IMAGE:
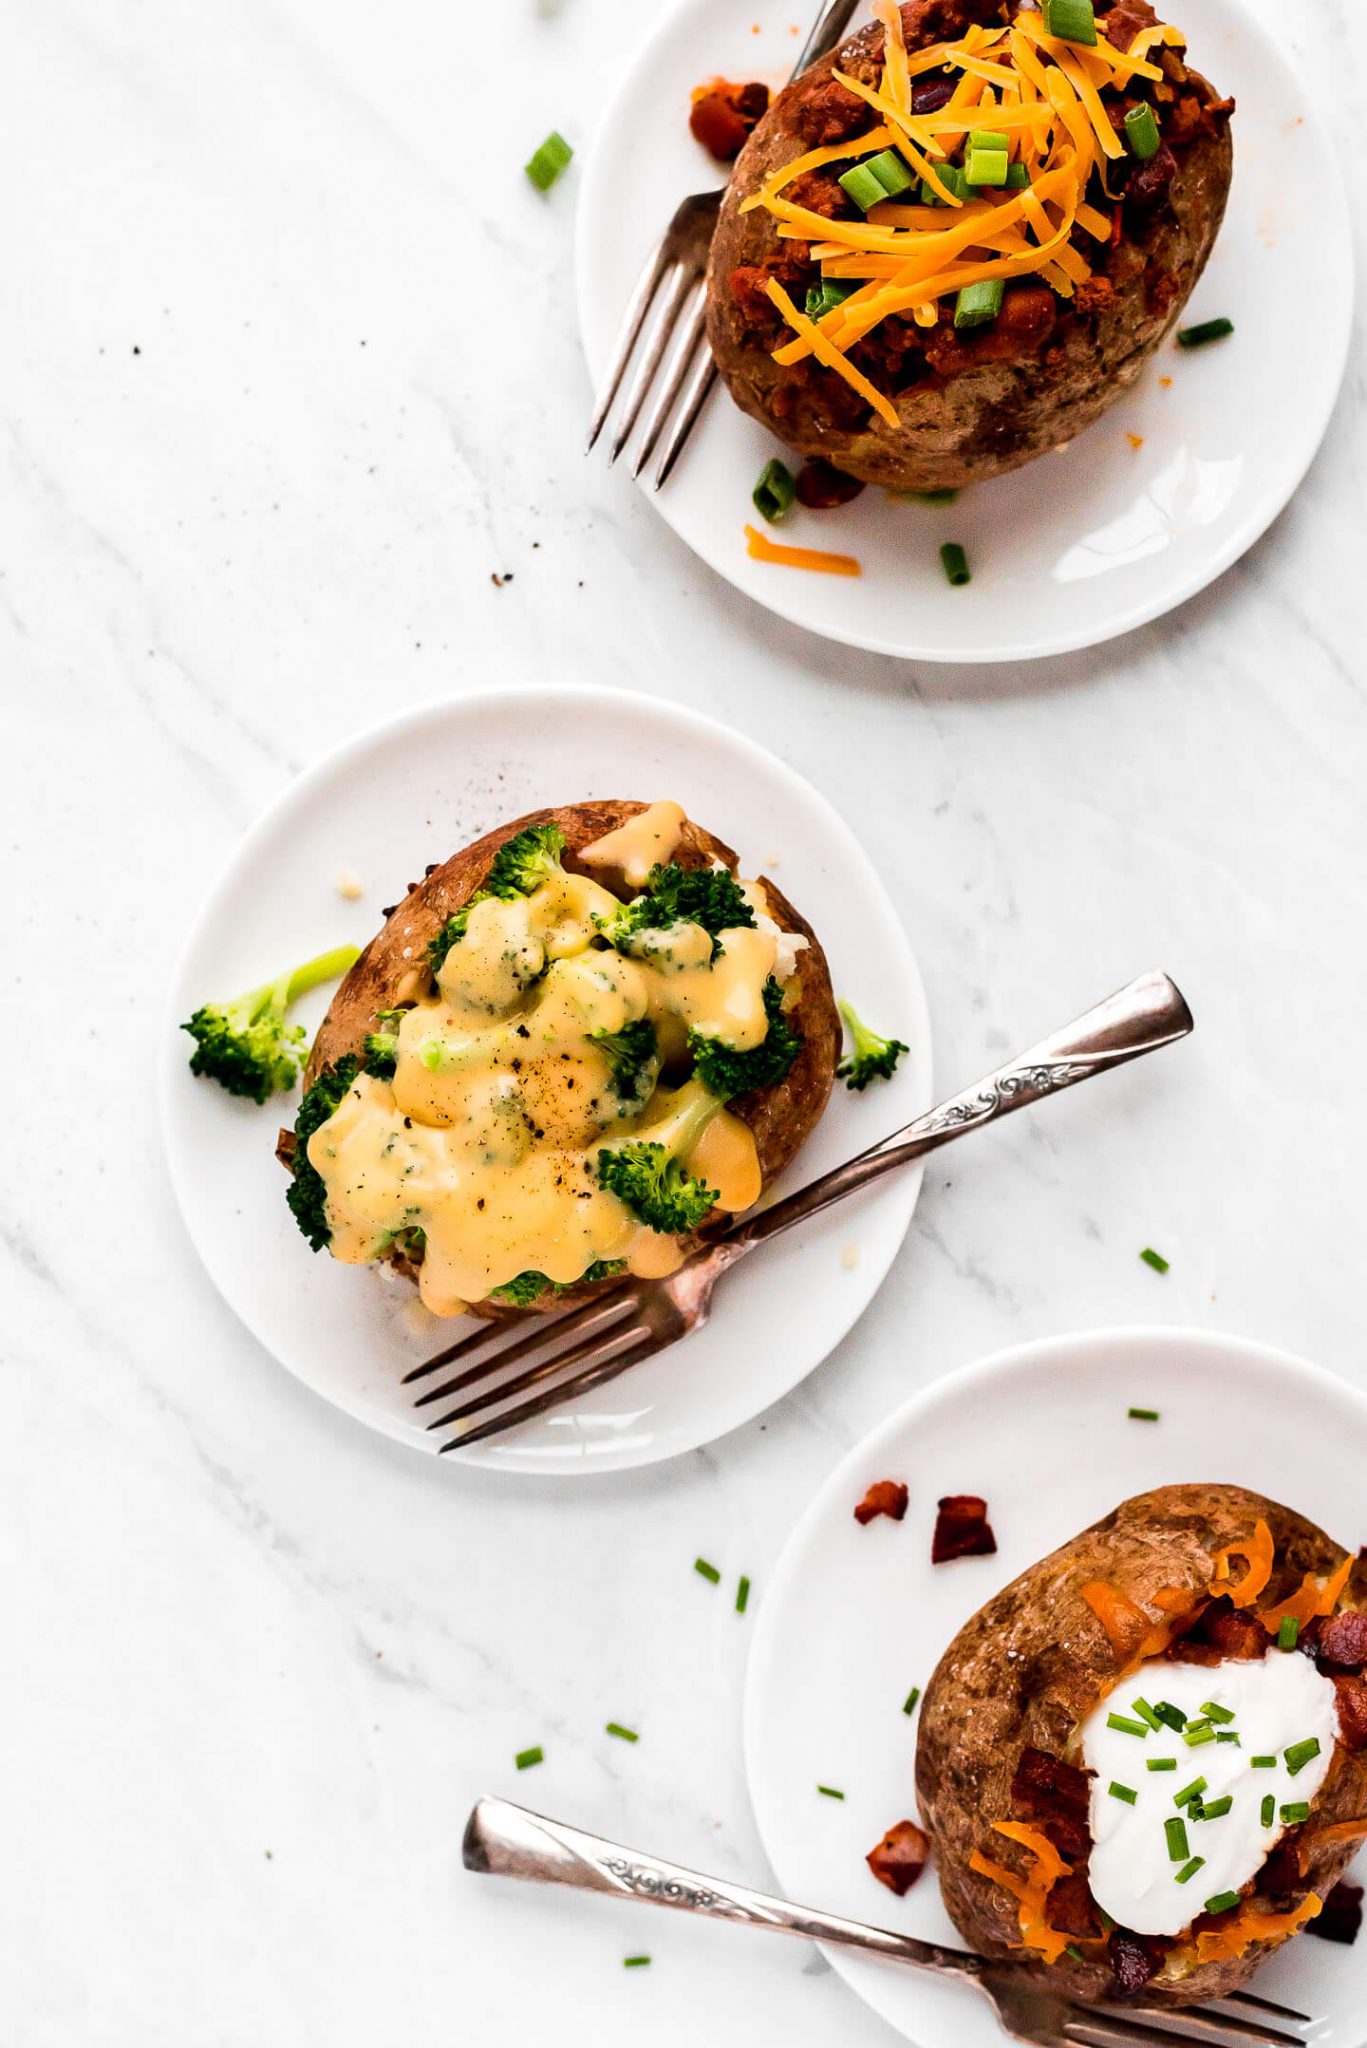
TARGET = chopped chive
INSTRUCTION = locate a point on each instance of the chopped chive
(1072, 21)
(1142, 132)
(1195, 1736)
(1126, 1725)
(909, 1703)
(945, 495)
(1262, 1763)
(1171, 1716)
(1207, 330)
(1216, 1809)
(1298, 1810)
(1197, 1726)
(548, 163)
(1074, 1953)
(977, 304)
(1154, 1259)
(823, 298)
(742, 1594)
(1229, 1735)
(1125, 1792)
(986, 167)
(829, 1792)
(1179, 1848)
(1269, 1813)
(955, 563)
(706, 1571)
(1213, 1712)
(1144, 1415)
(1162, 1763)
(634, 1962)
(775, 493)
(1288, 1635)
(864, 187)
(1146, 1712)
(525, 1758)
(1189, 1792)
(1185, 1875)
(622, 1734)
(1222, 1902)
(1302, 1753)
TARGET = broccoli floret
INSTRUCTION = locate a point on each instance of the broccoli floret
(601, 1269)
(711, 897)
(525, 861)
(307, 1192)
(872, 1058)
(246, 1045)
(452, 932)
(630, 1053)
(655, 1187)
(381, 1054)
(726, 1072)
(528, 1287)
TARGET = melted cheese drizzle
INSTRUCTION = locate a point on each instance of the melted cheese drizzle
(634, 848)
(487, 1137)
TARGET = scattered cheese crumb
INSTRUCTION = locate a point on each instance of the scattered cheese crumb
(348, 885)
(1166, 383)
(1136, 441)
(849, 1258)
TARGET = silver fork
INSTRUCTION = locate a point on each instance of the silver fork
(679, 264)
(504, 1840)
(630, 1322)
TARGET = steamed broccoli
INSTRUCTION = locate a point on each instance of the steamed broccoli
(307, 1192)
(520, 866)
(726, 1072)
(525, 1288)
(873, 1058)
(246, 1045)
(630, 1053)
(381, 1054)
(645, 1173)
(711, 897)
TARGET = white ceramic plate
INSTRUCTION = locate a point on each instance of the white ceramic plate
(410, 793)
(1075, 547)
(855, 1617)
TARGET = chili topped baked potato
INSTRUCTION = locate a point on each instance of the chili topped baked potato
(1143, 1765)
(574, 1048)
(993, 300)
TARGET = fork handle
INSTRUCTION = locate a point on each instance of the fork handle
(1147, 1015)
(826, 32)
(504, 1840)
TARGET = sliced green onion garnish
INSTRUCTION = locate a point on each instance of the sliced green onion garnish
(953, 180)
(862, 187)
(891, 172)
(1207, 330)
(1216, 1809)
(1298, 1810)
(1288, 1635)
(525, 1758)
(1269, 1810)
(1074, 1953)
(986, 167)
(548, 163)
(1072, 21)
(1172, 1716)
(1213, 1712)
(955, 563)
(1262, 1763)
(706, 1571)
(1189, 1792)
(944, 496)
(1229, 1735)
(622, 1734)
(1195, 1727)
(742, 1594)
(979, 303)
(988, 138)
(1154, 1259)
(1186, 1875)
(1124, 1792)
(829, 1792)
(1162, 1763)
(1222, 1902)
(773, 496)
(1302, 1753)
(909, 1703)
(823, 298)
(634, 1962)
(1126, 1725)
(1146, 1712)
(1141, 131)
(1017, 178)
(1179, 1848)
(1195, 1736)
(1143, 1415)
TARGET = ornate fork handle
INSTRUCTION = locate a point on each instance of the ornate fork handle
(508, 1841)
(1150, 1013)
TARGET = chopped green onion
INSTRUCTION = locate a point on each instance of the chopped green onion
(823, 298)
(955, 563)
(525, 1758)
(862, 187)
(829, 1792)
(1171, 1716)
(1222, 1902)
(1288, 1635)
(1217, 1808)
(1074, 1953)
(1195, 1727)
(944, 496)
(1145, 1712)
(1144, 1415)
(548, 163)
(909, 1703)
(706, 1571)
(1072, 21)
(1125, 1792)
(953, 180)
(1213, 1712)
(634, 1962)
(1299, 1810)
(988, 138)
(1017, 178)
(1179, 1848)
(979, 303)
(1154, 1259)
(1185, 1875)
(986, 167)
(1269, 1810)
(1195, 1736)
(1126, 1725)
(742, 1594)
(891, 172)
(1189, 1792)
(622, 1734)
(1162, 1763)
(1262, 1763)
(1302, 1753)
(1141, 131)
(773, 498)
(1207, 330)
(1228, 1735)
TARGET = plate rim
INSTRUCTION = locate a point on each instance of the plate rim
(1144, 611)
(339, 760)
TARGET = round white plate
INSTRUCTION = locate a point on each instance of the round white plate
(1076, 547)
(410, 793)
(855, 1617)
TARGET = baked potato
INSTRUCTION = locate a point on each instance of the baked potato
(574, 1048)
(1057, 1767)
(1016, 342)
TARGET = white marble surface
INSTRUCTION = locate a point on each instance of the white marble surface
(262, 456)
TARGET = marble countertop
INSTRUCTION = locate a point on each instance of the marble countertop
(261, 470)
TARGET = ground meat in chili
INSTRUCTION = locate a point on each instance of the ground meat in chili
(828, 113)
(820, 487)
(723, 116)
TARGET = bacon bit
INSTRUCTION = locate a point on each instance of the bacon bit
(1352, 1705)
(1032, 1893)
(1259, 1554)
(821, 486)
(1131, 1963)
(961, 1529)
(1341, 1918)
(1250, 1924)
(1056, 1793)
(1312, 1600)
(900, 1857)
(885, 1497)
(1222, 1633)
(724, 116)
(1339, 1641)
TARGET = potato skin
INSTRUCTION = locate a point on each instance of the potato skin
(992, 417)
(781, 1118)
(1034, 1662)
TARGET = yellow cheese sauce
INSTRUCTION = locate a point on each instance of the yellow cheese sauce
(634, 848)
(487, 1139)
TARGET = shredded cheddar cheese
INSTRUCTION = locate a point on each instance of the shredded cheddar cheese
(763, 549)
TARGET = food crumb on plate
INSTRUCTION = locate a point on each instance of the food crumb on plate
(1136, 441)
(349, 884)
(1166, 383)
(849, 1258)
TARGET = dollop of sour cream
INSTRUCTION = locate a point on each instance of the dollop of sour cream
(1140, 1871)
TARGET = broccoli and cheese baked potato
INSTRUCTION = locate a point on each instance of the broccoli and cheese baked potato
(1143, 1765)
(952, 244)
(575, 1047)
